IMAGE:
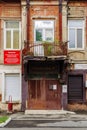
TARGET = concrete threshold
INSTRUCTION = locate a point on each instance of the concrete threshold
(47, 112)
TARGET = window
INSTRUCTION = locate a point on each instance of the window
(44, 30)
(76, 34)
(12, 35)
(12, 87)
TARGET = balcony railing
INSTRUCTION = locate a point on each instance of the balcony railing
(46, 49)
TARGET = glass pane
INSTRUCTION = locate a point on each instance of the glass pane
(16, 40)
(38, 34)
(44, 24)
(71, 38)
(48, 35)
(8, 39)
(76, 23)
(11, 24)
(79, 38)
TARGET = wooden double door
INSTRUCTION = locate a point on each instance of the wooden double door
(44, 94)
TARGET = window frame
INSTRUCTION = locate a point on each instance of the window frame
(76, 29)
(12, 31)
(43, 31)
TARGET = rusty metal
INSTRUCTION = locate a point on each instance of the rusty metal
(57, 48)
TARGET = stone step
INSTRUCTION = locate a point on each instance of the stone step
(47, 112)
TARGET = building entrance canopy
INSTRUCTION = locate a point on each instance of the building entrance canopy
(44, 67)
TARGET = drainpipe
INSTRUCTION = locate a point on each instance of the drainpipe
(28, 21)
(60, 20)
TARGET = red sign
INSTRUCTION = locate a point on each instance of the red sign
(11, 57)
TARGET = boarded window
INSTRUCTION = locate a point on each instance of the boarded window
(12, 87)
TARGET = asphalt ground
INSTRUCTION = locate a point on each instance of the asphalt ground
(46, 124)
(20, 120)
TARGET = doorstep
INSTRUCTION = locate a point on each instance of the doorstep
(47, 112)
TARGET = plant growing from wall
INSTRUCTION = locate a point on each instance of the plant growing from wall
(55, 48)
(47, 48)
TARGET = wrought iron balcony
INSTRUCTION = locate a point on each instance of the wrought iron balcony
(45, 49)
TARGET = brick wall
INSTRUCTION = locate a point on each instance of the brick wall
(11, 10)
(42, 12)
(78, 10)
(7, 12)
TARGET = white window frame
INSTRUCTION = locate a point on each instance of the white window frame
(12, 29)
(4, 88)
(41, 24)
(76, 28)
(43, 30)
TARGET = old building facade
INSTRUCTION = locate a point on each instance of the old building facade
(10, 50)
(43, 57)
(77, 35)
(69, 19)
(45, 72)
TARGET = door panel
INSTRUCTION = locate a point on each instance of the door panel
(35, 92)
(36, 100)
(44, 94)
(53, 94)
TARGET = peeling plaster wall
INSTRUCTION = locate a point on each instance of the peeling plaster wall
(78, 10)
(8, 70)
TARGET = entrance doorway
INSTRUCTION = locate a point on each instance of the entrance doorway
(44, 94)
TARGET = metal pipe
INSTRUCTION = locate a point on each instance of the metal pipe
(28, 21)
(60, 20)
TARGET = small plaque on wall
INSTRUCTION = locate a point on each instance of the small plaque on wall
(12, 56)
(54, 87)
(64, 88)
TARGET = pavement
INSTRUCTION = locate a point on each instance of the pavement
(46, 118)
(48, 115)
